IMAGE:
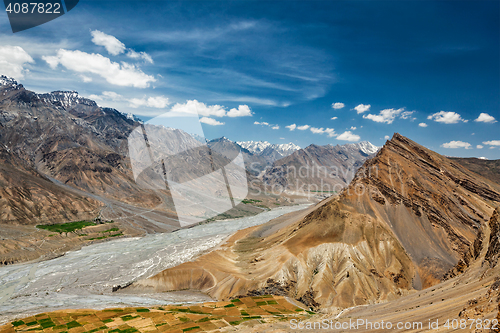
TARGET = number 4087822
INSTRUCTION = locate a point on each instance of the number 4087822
(34, 7)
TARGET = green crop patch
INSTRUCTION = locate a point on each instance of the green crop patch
(31, 323)
(107, 320)
(66, 227)
(17, 323)
(127, 330)
(229, 306)
(129, 317)
(73, 324)
(190, 328)
(142, 310)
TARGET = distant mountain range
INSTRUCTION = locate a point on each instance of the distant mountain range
(271, 152)
(319, 168)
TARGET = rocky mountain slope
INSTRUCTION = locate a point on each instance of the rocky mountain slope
(489, 169)
(407, 218)
(319, 168)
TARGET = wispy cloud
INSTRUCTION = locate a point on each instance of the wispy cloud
(291, 127)
(116, 47)
(303, 127)
(446, 117)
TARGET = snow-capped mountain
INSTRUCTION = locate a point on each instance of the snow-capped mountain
(265, 148)
(66, 98)
(365, 146)
(7, 81)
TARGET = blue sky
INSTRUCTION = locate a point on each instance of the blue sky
(264, 70)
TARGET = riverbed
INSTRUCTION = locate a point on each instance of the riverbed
(85, 278)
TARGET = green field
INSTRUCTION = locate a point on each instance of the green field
(66, 227)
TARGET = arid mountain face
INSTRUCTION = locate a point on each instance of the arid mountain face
(406, 219)
(489, 169)
(70, 139)
(319, 168)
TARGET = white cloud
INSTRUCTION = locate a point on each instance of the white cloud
(387, 137)
(333, 118)
(385, 116)
(111, 43)
(479, 147)
(407, 115)
(485, 118)
(86, 79)
(329, 131)
(456, 144)
(492, 143)
(348, 136)
(241, 111)
(291, 127)
(482, 158)
(107, 96)
(447, 117)
(82, 62)
(139, 55)
(362, 108)
(338, 106)
(422, 125)
(276, 127)
(261, 123)
(210, 121)
(158, 102)
(353, 128)
(12, 61)
(303, 127)
(195, 107)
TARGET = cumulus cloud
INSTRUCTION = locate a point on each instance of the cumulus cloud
(333, 118)
(210, 121)
(407, 115)
(385, 116)
(275, 127)
(447, 117)
(241, 111)
(195, 107)
(479, 146)
(348, 136)
(111, 43)
(82, 62)
(291, 127)
(303, 127)
(353, 128)
(387, 137)
(338, 106)
(362, 108)
(158, 102)
(265, 123)
(456, 144)
(422, 125)
(485, 118)
(492, 143)
(13, 60)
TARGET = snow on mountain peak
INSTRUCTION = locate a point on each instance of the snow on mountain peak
(7, 81)
(257, 147)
